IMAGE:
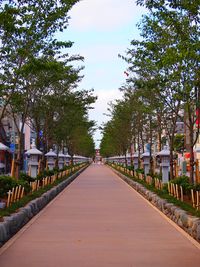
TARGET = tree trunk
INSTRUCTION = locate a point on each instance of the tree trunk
(125, 160)
(159, 132)
(191, 157)
(171, 163)
(150, 148)
(131, 153)
(138, 150)
(19, 155)
(142, 141)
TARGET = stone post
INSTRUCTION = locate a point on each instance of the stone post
(165, 163)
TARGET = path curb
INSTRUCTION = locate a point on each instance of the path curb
(190, 224)
(13, 223)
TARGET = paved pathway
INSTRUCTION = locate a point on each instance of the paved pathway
(99, 221)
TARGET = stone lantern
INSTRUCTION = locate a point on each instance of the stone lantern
(135, 160)
(67, 159)
(51, 159)
(75, 159)
(34, 159)
(122, 160)
(117, 160)
(81, 159)
(165, 163)
(61, 160)
(146, 161)
(128, 158)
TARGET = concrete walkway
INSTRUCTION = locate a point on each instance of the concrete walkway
(99, 221)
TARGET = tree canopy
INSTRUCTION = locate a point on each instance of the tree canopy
(163, 67)
(38, 79)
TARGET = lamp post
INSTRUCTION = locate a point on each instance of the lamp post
(146, 160)
(61, 160)
(51, 159)
(34, 159)
(135, 160)
(67, 159)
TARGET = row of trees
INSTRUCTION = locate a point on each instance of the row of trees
(38, 82)
(163, 86)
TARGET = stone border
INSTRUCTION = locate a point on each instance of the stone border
(188, 223)
(13, 223)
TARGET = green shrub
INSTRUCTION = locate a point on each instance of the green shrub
(25, 184)
(66, 168)
(196, 187)
(56, 170)
(157, 175)
(140, 170)
(184, 182)
(6, 184)
(165, 188)
(25, 177)
(44, 174)
(131, 168)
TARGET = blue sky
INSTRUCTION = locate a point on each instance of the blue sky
(100, 30)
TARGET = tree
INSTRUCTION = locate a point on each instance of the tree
(35, 74)
(181, 19)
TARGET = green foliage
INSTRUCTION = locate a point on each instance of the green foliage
(25, 177)
(25, 184)
(179, 142)
(157, 175)
(196, 187)
(164, 74)
(185, 183)
(117, 132)
(6, 184)
(47, 173)
(131, 168)
(38, 79)
(139, 171)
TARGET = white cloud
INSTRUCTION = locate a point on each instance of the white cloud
(102, 52)
(103, 15)
(101, 105)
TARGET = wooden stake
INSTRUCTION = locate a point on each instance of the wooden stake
(173, 190)
(12, 195)
(197, 172)
(181, 193)
(171, 185)
(22, 193)
(192, 193)
(13, 168)
(9, 198)
(197, 195)
(18, 193)
(177, 193)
